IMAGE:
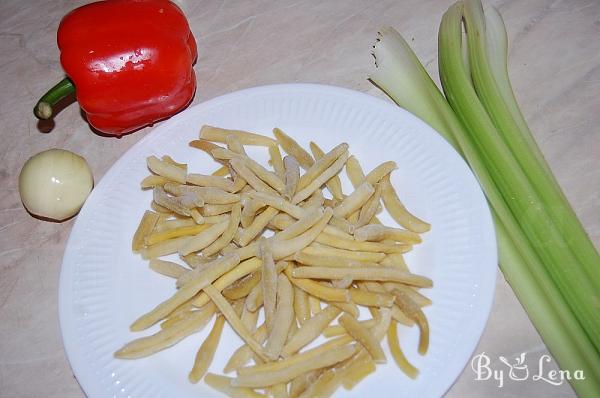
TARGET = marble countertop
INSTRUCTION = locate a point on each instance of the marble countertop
(555, 70)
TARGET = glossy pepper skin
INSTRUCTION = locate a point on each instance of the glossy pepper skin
(130, 61)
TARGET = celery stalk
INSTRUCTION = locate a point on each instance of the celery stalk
(465, 52)
(520, 263)
(488, 65)
(546, 307)
(551, 316)
(526, 205)
(386, 75)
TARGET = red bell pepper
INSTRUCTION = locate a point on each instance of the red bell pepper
(128, 61)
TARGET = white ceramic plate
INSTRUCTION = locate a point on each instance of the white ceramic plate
(104, 287)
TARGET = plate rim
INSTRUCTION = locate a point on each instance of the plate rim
(85, 377)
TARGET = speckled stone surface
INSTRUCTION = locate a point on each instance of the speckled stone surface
(555, 69)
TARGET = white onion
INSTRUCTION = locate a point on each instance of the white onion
(55, 183)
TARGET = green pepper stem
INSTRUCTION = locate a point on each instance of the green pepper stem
(44, 108)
